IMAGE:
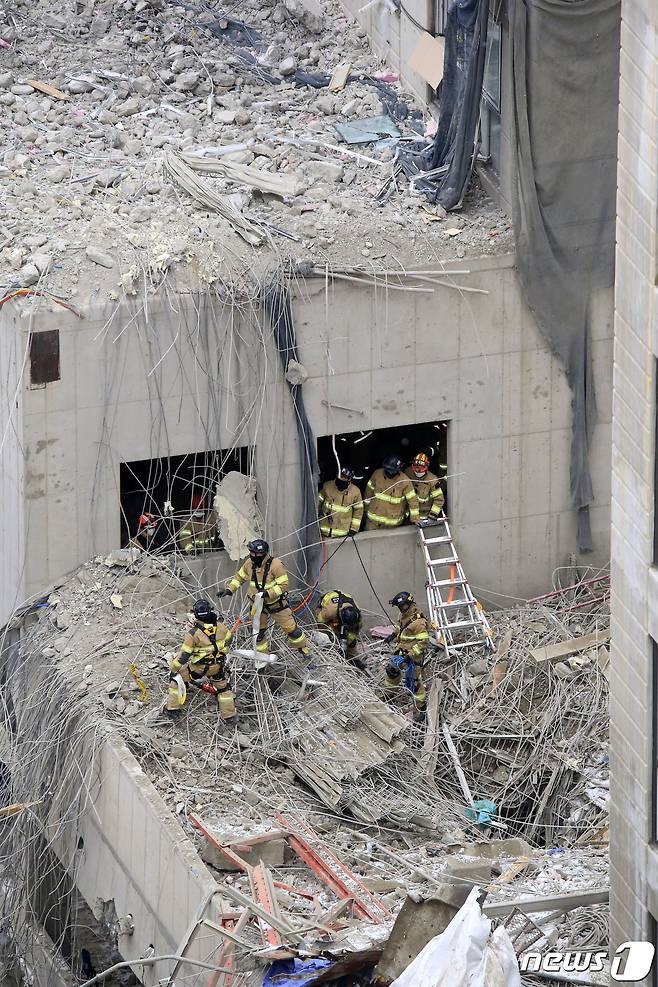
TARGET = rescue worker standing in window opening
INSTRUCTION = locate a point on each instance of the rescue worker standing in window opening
(405, 666)
(145, 538)
(339, 612)
(199, 533)
(203, 656)
(340, 506)
(427, 486)
(389, 496)
(267, 575)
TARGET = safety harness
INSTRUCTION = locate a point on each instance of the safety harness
(282, 602)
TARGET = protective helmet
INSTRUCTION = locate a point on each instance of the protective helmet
(346, 472)
(204, 612)
(421, 463)
(392, 465)
(349, 616)
(146, 519)
(258, 548)
(401, 600)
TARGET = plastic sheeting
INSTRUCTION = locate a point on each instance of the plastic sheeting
(565, 68)
(276, 299)
(294, 973)
(466, 954)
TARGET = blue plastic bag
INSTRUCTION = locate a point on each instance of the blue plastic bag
(294, 972)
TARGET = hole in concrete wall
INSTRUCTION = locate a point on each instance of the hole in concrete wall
(187, 482)
(44, 357)
(364, 451)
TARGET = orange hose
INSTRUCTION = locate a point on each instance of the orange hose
(451, 594)
(317, 581)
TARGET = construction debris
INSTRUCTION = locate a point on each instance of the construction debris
(140, 93)
(332, 822)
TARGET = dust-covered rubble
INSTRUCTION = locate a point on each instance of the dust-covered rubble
(94, 94)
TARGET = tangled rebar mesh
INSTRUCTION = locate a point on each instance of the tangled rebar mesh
(531, 736)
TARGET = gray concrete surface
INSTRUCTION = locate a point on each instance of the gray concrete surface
(201, 380)
(634, 627)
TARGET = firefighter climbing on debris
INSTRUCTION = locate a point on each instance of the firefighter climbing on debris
(199, 532)
(390, 495)
(267, 576)
(202, 662)
(340, 506)
(411, 638)
(427, 486)
(339, 612)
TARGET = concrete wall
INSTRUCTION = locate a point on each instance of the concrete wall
(475, 359)
(634, 856)
(12, 531)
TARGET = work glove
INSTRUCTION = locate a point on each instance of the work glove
(390, 638)
(221, 593)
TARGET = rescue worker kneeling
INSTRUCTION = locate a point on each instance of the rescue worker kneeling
(405, 666)
(203, 656)
(267, 575)
(339, 612)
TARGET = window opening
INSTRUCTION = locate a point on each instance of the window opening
(163, 498)
(365, 451)
(44, 357)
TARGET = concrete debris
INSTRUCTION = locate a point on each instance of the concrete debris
(238, 516)
(89, 146)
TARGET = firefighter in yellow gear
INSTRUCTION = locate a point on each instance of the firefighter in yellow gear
(199, 533)
(267, 575)
(340, 506)
(411, 641)
(203, 657)
(390, 496)
(339, 612)
(427, 486)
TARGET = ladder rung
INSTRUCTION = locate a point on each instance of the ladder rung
(449, 582)
(455, 603)
(462, 623)
(453, 560)
(437, 541)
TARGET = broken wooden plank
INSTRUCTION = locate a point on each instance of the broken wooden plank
(563, 902)
(564, 649)
(47, 89)
(285, 186)
(430, 751)
(459, 771)
(339, 77)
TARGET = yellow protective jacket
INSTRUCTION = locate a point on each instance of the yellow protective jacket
(340, 511)
(412, 635)
(270, 578)
(388, 500)
(429, 493)
(198, 534)
(198, 644)
(328, 612)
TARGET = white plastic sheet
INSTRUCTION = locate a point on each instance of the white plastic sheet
(466, 954)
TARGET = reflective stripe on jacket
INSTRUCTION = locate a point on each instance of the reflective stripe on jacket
(389, 500)
(274, 574)
(328, 612)
(429, 493)
(340, 511)
(412, 634)
(198, 645)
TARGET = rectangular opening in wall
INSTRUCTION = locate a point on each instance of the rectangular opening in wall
(44, 357)
(174, 496)
(365, 451)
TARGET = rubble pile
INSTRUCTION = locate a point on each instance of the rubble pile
(334, 794)
(105, 103)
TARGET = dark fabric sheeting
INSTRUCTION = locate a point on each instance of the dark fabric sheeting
(461, 92)
(565, 70)
(277, 304)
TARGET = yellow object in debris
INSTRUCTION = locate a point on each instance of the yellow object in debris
(140, 682)
(13, 810)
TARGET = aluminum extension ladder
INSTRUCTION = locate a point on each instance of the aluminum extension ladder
(458, 620)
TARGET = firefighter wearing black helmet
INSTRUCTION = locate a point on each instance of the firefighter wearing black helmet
(340, 506)
(390, 495)
(203, 656)
(411, 640)
(267, 575)
(339, 612)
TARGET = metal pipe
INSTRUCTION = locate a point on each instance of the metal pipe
(150, 961)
